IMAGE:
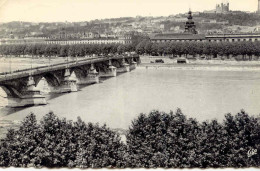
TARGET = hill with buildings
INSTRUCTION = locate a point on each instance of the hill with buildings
(231, 22)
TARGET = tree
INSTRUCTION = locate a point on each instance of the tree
(60, 143)
(100, 147)
(211, 151)
(169, 136)
(148, 47)
(140, 48)
(121, 49)
(64, 51)
(243, 135)
(19, 145)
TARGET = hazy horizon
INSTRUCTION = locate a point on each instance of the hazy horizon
(86, 10)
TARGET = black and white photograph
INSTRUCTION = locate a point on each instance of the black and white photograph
(121, 84)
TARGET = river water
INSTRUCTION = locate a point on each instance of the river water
(201, 94)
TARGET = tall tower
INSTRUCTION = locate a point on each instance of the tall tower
(258, 9)
(190, 26)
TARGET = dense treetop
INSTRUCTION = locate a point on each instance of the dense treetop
(158, 139)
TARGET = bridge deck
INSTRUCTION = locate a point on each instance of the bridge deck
(54, 67)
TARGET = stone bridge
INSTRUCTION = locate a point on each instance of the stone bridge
(21, 86)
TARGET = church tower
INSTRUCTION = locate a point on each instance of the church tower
(190, 26)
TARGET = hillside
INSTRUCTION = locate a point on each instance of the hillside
(145, 25)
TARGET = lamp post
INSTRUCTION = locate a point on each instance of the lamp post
(31, 61)
(10, 64)
(67, 61)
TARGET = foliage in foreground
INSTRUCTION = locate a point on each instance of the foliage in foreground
(172, 140)
(59, 143)
(155, 140)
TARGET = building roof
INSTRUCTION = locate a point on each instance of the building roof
(177, 36)
(237, 35)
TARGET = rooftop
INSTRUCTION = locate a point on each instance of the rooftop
(177, 36)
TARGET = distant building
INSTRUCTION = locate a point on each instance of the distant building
(222, 8)
(27, 40)
(162, 26)
(91, 35)
(176, 37)
(209, 11)
(64, 38)
(183, 19)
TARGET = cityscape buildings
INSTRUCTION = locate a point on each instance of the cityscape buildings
(190, 34)
(63, 39)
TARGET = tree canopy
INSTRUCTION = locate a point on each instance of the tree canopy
(159, 139)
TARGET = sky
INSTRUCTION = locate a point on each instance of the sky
(86, 10)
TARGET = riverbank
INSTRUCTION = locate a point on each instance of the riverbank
(201, 67)
(148, 62)
(217, 61)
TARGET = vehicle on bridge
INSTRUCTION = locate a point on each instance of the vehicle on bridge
(181, 60)
(159, 61)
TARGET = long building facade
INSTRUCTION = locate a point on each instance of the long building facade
(124, 39)
(204, 38)
(190, 34)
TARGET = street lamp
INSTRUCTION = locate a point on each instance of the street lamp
(10, 64)
(31, 61)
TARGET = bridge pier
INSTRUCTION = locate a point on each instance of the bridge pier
(111, 71)
(125, 67)
(92, 77)
(68, 84)
(31, 96)
(133, 64)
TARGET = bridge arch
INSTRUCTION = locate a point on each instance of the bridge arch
(101, 66)
(51, 79)
(80, 71)
(10, 91)
(116, 63)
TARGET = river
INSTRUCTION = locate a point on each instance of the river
(201, 94)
